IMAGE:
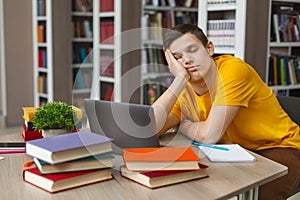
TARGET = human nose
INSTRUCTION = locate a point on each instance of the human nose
(187, 60)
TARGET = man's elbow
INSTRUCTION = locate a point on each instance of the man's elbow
(203, 137)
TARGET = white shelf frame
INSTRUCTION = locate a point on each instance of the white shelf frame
(78, 93)
(116, 48)
(2, 64)
(49, 48)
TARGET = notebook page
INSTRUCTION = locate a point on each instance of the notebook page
(236, 153)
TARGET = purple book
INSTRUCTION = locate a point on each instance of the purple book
(67, 147)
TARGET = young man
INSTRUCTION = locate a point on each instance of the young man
(223, 100)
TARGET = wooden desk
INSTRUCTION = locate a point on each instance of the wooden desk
(226, 180)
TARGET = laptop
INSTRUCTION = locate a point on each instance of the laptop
(129, 125)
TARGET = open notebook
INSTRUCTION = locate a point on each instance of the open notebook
(236, 153)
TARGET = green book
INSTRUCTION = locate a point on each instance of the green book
(100, 161)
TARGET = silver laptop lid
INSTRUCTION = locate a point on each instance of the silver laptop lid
(130, 125)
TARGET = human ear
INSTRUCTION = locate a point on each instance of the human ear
(210, 48)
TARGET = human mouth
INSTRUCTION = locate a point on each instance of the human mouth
(191, 68)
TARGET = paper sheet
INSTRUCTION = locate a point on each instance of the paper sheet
(236, 153)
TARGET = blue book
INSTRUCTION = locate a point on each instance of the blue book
(67, 147)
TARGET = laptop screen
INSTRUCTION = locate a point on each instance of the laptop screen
(129, 125)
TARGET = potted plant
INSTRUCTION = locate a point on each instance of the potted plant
(55, 118)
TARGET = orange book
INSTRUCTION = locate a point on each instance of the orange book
(40, 33)
(160, 158)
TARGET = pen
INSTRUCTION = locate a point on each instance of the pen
(210, 146)
(28, 164)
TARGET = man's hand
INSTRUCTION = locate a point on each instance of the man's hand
(175, 67)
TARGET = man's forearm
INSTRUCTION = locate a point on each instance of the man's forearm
(164, 104)
(190, 129)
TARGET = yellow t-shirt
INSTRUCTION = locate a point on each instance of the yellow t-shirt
(260, 123)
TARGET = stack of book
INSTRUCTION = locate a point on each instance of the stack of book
(70, 160)
(28, 131)
(162, 166)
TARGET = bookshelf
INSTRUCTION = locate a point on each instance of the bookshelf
(157, 15)
(114, 51)
(42, 47)
(224, 23)
(82, 48)
(52, 80)
(107, 50)
(98, 60)
(282, 71)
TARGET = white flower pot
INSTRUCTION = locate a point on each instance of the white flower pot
(54, 132)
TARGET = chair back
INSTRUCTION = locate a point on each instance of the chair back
(291, 105)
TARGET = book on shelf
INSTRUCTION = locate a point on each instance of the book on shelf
(82, 29)
(100, 161)
(160, 158)
(107, 6)
(42, 83)
(67, 147)
(82, 55)
(41, 33)
(156, 179)
(283, 70)
(153, 89)
(222, 32)
(58, 182)
(42, 58)
(78, 82)
(41, 7)
(83, 5)
(236, 153)
(109, 94)
(285, 25)
(107, 31)
(107, 65)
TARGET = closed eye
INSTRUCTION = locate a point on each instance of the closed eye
(192, 48)
(177, 56)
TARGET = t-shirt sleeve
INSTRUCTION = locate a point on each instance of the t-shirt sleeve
(234, 86)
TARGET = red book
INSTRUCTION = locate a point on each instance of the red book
(109, 94)
(160, 158)
(107, 32)
(63, 181)
(107, 5)
(156, 179)
(31, 135)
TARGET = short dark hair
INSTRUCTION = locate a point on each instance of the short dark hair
(181, 29)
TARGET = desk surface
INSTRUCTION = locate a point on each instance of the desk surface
(225, 180)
